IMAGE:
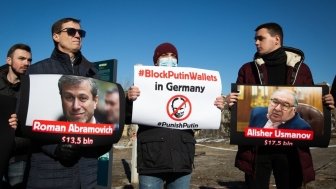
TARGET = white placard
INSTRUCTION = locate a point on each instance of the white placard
(177, 97)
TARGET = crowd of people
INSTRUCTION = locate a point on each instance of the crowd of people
(165, 156)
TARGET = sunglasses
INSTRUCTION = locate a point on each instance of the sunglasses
(72, 32)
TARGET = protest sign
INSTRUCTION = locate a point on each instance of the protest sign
(177, 97)
(302, 120)
(74, 112)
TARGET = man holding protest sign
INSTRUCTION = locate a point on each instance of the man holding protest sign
(274, 64)
(165, 155)
(46, 170)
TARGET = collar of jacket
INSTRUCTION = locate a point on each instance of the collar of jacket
(65, 58)
(4, 69)
(295, 58)
(4, 83)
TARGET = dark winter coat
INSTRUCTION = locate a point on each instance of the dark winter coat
(6, 134)
(298, 73)
(18, 147)
(46, 171)
(163, 150)
(9, 89)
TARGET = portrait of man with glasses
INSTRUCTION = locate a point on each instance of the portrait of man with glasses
(280, 113)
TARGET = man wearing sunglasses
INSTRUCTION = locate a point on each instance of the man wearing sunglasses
(46, 170)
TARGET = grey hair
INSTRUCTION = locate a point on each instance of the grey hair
(295, 97)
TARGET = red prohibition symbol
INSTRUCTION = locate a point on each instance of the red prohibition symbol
(178, 108)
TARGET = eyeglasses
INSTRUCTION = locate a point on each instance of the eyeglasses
(72, 32)
(284, 105)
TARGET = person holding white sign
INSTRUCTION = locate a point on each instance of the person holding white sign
(165, 156)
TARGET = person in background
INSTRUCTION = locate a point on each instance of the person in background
(18, 60)
(275, 64)
(112, 105)
(165, 156)
(47, 170)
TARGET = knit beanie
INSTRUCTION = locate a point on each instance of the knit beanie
(163, 49)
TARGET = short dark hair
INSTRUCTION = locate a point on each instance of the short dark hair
(18, 46)
(112, 90)
(57, 26)
(273, 29)
(73, 80)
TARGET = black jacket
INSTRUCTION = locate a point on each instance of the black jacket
(46, 171)
(9, 89)
(6, 134)
(59, 63)
(163, 150)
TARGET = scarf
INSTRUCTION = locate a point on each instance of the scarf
(276, 66)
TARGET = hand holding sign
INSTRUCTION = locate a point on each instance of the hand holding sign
(220, 102)
(133, 93)
(13, 121)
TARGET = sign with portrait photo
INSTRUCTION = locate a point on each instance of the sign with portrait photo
(280, 116)
(71, 109)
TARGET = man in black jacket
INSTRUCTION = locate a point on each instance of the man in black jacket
(46, 169)
(18, 60)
